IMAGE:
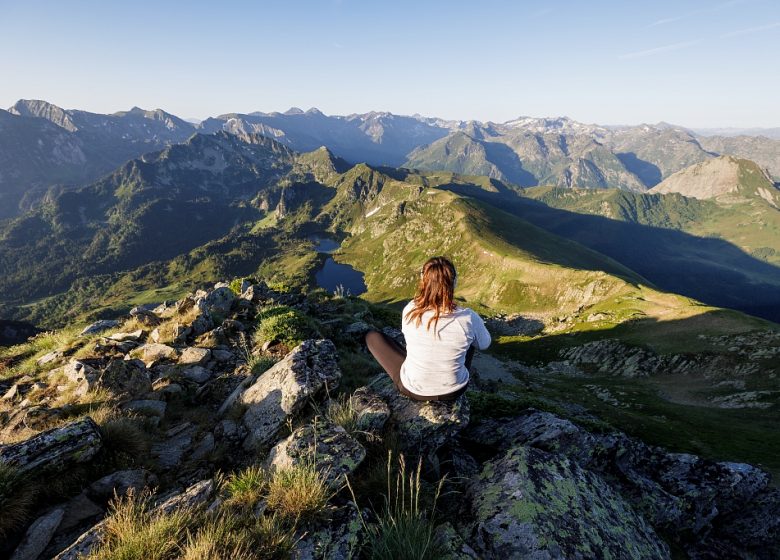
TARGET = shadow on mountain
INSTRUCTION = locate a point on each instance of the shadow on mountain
(647, 172)
(503, 157)
(710, 270)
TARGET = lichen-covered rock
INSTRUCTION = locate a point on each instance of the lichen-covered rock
(55, 450)
(371, 410)
(338, 539)
(421, 426)
(334, 453)
(452, 544)
(284, 389)
(704, 505)
(533, 504)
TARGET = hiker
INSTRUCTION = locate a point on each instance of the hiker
(440, 337)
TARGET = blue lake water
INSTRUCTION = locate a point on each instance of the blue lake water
(324, 244)
(333, 274)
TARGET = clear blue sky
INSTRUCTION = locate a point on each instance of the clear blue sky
(695, 63)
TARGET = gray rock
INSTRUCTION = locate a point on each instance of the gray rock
(218, 301)
(198, 493)
(99, 326)
(127, 336)
(82, 375)
(533, 504)
(222, 356)
(55, 450)
(421, 426)
(38, 535)
(78, 510)
(284, 389)
(125, 378)
(120, 482)
(205, 447)
(334, 453)
(169, 453)
(52, 356)
(155, 352)
(197, 374)
(371, 409)
(195, 356)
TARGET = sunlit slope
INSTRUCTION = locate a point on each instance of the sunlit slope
(505, 264)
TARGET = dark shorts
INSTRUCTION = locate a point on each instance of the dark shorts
(392, 355)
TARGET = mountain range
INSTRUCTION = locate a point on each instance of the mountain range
(43, 146)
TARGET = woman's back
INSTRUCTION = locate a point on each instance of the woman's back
(435, 356)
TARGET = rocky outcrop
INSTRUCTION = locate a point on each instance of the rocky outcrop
(421, 426)
(55, 450)
(328, 447)
(534, 504)
(612, 357)
(705, 505)
(284, 389)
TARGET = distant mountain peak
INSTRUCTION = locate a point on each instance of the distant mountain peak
(294, 111)
(725, 178)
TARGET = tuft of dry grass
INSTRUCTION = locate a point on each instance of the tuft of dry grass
(135, 532)
(245, 488)
(17, 498)
(298, 492)
(222, 537)
(124, 439)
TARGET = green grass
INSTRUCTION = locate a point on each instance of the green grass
(405, 525)
(284, 324)
(298, 492)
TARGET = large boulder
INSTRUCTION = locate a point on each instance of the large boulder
(284, 389)
(421, 426)
(333, 452)
(55, 450)
(706, 506)
(534, 504)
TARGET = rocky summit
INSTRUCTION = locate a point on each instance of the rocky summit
(252, 418)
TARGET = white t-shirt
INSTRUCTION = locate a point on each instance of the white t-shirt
(435, 365)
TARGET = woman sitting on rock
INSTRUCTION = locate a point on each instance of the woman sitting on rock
(440, 339)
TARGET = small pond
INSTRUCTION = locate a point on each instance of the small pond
(333, 274)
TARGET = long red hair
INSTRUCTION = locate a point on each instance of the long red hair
(435, 292)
